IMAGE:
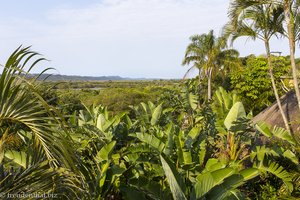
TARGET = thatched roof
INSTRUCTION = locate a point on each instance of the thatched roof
(272, 116)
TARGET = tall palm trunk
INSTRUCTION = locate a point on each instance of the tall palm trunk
(209, 83)
(286, 123)
(199, 79)
(291, 31)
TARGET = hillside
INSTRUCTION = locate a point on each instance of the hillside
(59, 77)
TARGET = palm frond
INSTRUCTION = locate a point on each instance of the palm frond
(23, 109)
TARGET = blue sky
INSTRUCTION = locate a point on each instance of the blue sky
(129, 38)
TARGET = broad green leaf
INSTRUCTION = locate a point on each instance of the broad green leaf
(237, 111)
(151, 140)
(229, 185)
(263, 128)
(103, 174)
(290, 155)
(202, 152)
(174, 179)
(105, 151)
(180, 148)
(193, 101)
(18, 157)
(100, 122)
(170, 142)
(156, 115)
(205, 182)
(249, 173)
(261, 151)
(214, 164)
(118, 170)
(192, 135)
(187, 157)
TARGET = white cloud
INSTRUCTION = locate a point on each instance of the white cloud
(140, 18)
(132, 38)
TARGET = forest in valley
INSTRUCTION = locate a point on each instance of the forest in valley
(193, 138)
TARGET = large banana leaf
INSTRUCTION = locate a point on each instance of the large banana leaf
(151, 140)
(205, 182)
(175, 181)
(228, 186)
(237, 111)
(105, 152)
(156, 115)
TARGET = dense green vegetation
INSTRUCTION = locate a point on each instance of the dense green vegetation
(116, 95)
(163, 139)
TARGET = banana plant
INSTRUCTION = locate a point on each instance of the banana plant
(289, 151)
(216, 181)
(223, 102)
(283, 145)
(148, 114)
(233, 128)
(98, 117)
(238, 139)
(99, 141)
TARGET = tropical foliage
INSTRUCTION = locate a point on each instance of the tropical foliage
(159, 139)
(252, 83)
(209, 55)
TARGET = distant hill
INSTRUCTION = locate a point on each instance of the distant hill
(58, 77)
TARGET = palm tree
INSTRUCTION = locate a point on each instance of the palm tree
(45, 160)
(194, 54)
(208, 54)
(290, 10)
(290, 16)
(297, 21)
(260, 22)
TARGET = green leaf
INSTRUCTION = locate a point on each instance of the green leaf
(205, 182)
(229, 185)
(261, 151)
(151, 140)
(237, 111)
(100, 122)
(249, 173)
(105, 151)
(156, 115)
(214, 164)
(278, 171)
(283, 134)
(290, 155)
(202, 152)
(103, 174)
(264, 129)
(192, 101)
(192, 135)
(174, 179)
(18, 157)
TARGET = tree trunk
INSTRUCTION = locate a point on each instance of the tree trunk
(209, 83)
(286, 123)
(291, 36)
(199, 79)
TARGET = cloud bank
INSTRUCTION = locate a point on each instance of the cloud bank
(131, 38)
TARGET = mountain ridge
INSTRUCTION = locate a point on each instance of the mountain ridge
(60, 77)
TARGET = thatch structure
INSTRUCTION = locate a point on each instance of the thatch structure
(272, 116)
